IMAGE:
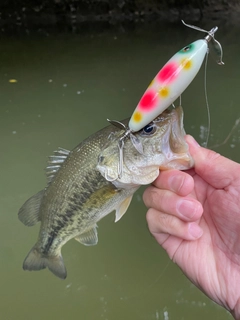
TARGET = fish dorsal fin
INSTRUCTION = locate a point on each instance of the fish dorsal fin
(122, 208)
(29, 212)
(88, 238)
(55, 161)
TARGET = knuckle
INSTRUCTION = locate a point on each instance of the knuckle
(149, 216)
(168, 222)
(152, 221)
(152, 197)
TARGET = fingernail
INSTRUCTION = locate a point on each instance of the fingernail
(194, 230)
(187, 208)
(176, 182)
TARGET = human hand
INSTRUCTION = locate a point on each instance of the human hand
(195, 217)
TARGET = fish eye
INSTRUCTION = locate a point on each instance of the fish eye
(100, 159)
(149, 129)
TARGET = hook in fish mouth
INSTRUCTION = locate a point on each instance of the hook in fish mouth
(127, 133)
(134, 139)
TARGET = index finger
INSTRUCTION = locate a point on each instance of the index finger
(177, 181)
(215, 169)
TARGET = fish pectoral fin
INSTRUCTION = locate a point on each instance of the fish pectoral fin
(28, 214)
(122, 208)
(88, 238)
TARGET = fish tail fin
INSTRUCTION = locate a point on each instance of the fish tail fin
(35, 260)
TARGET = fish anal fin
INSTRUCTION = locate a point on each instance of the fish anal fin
(36, 261)
(88, 238)
(28, 214)
(122, 208)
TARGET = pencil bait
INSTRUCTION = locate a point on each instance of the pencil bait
(173, 79)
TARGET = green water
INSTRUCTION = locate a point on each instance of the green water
(67, 85)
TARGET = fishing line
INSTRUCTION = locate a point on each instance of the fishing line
(206, 99)
(237, 122)
(151, 285)
(218, 49)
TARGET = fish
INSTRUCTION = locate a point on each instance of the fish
(84, 185)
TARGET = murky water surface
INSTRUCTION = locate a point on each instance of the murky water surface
(67, 86)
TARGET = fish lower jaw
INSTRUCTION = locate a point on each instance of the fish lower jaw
(134, 181)
(125, 184)
(184, 163)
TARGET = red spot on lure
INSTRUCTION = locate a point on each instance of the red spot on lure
(168, 73)
(148, 101)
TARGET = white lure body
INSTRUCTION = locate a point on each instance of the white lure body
(169, 83)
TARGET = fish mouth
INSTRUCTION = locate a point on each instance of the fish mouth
(175, 148)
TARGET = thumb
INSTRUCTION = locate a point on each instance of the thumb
(215, 169)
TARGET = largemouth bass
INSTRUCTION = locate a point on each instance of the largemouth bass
(84, 184)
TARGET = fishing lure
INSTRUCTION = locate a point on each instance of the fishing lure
(172, 80)
(167, 86)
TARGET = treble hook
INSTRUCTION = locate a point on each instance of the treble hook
(208, 38)
(121, 126)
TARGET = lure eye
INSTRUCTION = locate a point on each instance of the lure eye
(187, 48)
(149, 129)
